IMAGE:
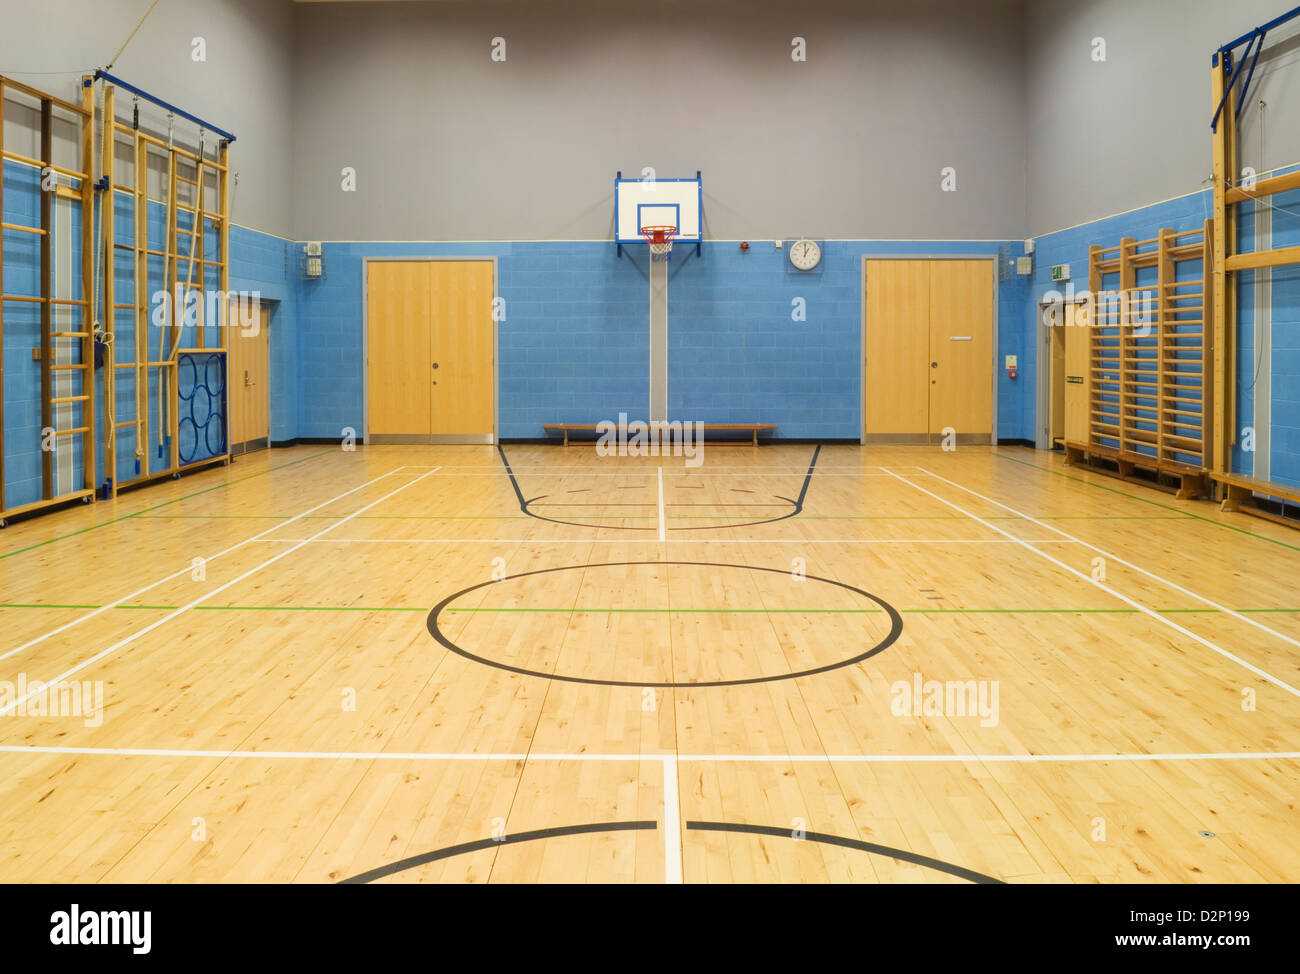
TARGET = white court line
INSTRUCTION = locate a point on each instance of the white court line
(690, 473)
(202, 598)
(148, 752)
(189, 568)
(662, 535)
(1106, 588)
(1127, 564)
(798, 541)
(672, 824)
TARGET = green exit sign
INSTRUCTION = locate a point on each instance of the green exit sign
(1060, 272)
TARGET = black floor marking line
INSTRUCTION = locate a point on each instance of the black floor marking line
(524, 504)
(650, 504)
(795, 505)
(878, 850)
(895, 630)
(480, 844)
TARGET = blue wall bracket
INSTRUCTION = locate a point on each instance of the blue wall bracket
(1225, 57)
(229, 137)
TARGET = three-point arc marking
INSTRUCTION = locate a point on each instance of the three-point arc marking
(796, 504)
(479, 845)
(844, 842)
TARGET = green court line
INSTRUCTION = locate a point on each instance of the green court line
(337, 517)
(651, 517)
(1145, 500)
(141, 513)
(832, 611)
(420, 608)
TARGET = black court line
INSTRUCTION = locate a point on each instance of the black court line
(796, 505)
(650, 504)
(480, 844)
(895, 630)
(902, 855)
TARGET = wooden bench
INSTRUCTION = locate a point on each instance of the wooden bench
(754, 428)
(1193, 482)
(1240, 495)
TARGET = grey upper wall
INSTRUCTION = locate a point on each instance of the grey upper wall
(1109, 137)
(449, 145)
(244, 86)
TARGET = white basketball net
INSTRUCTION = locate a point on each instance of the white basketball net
(659, 250)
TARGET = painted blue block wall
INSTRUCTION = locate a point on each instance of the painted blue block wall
(269, 265)
(737, 355)
(1189, 213)
(573, 346)
(258, 262)
(1285, 388)
(22, 384)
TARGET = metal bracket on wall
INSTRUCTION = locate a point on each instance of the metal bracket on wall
(1254, 41)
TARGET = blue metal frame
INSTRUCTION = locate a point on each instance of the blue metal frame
(697, 239)
(676, 208)
(126, 86)
(1224, 58)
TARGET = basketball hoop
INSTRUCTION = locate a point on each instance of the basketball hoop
(660, 240)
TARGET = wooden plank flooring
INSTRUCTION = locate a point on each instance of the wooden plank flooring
(276, 705)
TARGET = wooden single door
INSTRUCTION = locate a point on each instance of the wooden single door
(462, 349)
(1056, 378)
(1077, 379)
(961, 347)
(897, 393)
(399, 372)
(248, 371)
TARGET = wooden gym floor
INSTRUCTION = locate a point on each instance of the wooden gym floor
(289, 709)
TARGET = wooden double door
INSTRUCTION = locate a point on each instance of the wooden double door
(928, 349)
(431, 351)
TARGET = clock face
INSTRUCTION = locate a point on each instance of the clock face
(805, 254)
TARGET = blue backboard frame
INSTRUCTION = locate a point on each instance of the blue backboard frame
(696, 239)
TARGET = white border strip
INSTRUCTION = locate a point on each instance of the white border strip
(1106, 588)
(662, 525)
(1115, 558)
(40, 688)
(672, 824)
(189, 568)
(150, 752)
(720, 527)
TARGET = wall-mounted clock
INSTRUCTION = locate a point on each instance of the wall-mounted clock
(805, 254)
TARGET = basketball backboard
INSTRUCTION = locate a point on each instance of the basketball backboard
(657, 202)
